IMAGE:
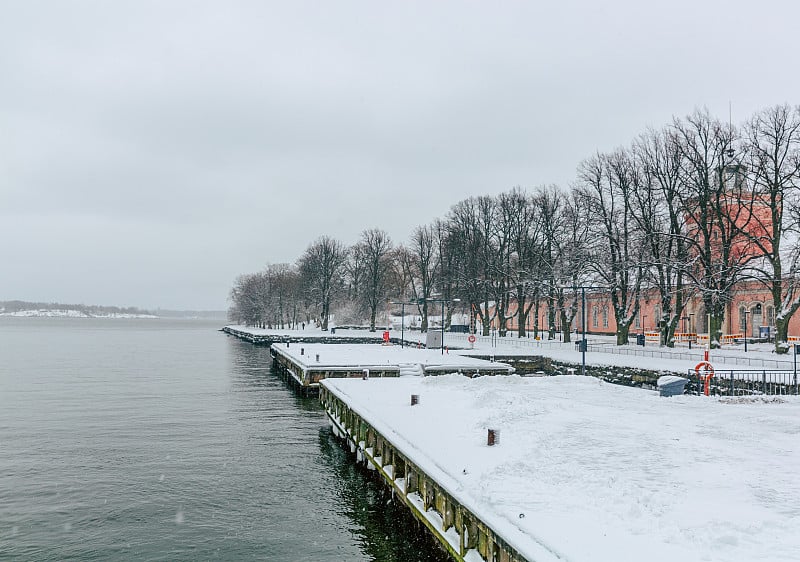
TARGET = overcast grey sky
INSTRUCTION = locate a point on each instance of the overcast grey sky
(151, 151)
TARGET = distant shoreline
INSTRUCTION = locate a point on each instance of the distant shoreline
(68, 313)
(75, 314)
(28, 309)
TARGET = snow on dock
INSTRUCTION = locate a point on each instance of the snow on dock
(584, 470)
(261, 336)
(309, 363)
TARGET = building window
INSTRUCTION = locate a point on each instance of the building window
(742, 320)
(637, 322)
(594, 316)
(605, 316)
(770, 316)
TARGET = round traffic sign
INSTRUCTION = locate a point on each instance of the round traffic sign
(471, 338)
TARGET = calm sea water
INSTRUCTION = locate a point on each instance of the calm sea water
(167, 440)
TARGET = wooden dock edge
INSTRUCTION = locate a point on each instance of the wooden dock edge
(269, 339)
(458, 530)
(307, 378)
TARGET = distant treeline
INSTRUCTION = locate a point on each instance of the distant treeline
(88, 309)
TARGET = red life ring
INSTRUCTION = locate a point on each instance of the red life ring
(471, 338)
(708, 372)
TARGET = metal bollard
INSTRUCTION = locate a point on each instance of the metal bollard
(414, 399)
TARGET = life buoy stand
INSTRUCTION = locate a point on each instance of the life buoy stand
(708, 372)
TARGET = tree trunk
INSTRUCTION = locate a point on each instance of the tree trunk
(485, 317)
(668, 332)
(782, 319)
(566, 329)
(325, 317)
(781, 334)
(623, 330)
(715, 330)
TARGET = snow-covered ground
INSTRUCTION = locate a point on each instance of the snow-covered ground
(70, 313)
(593, 471)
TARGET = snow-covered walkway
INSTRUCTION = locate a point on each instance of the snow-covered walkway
(602, 350)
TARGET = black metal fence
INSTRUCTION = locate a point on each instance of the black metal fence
(744, 383)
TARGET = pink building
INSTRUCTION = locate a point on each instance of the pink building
(750, 312)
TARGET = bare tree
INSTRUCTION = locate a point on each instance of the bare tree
(402, 281)
(662, 220)
(503, 261)
(355, 272)
(713, 197)
(773, 150)
(564, 221)
(250, 300)
(421, 261)
(375, 249)
(284, 294)
(524, 257)
(469, 254)
(608, 184)
(322, 268)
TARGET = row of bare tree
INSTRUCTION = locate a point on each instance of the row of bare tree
(690, 210)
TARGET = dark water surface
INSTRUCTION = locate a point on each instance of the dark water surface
(167, 440)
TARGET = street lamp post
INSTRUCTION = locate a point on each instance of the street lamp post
(442, 301)
(402, 320)
(685, 318)
(583, 321)
(583, 344)
(746, 312)
(583, 325)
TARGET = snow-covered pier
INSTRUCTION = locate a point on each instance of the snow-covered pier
(583, 470)
(307, 364)
(259, 336)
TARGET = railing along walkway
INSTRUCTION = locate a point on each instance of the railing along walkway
(507, 341)
(686, 356)
(745, 383)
